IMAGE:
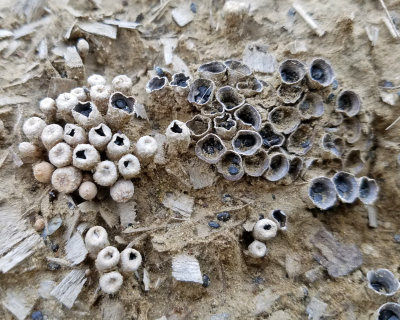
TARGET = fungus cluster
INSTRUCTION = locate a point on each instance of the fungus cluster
(109, 262)
(264, 129)
(79, 147)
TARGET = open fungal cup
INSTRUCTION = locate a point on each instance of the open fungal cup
(201, 92)
(96, 79)
(214, 70)
(210, 148)
(225, 126)
(289, 94)
(264, 230)
(368, 190)
(246, 142)
(278, 167)
(107, 259)
(156, 85)
(301, 141)
(346, 186)
(333, 145)
(320, 73)
(284, 119)
(74, 135)
(178, 137)
(100, 136)
(118, 146)
(383, 282)
(237, 71)
(122, 83)
(270, 137)
(199, 126)
(86, 114)
(120, 110)
(230, 166)
(349, 103)
(180, 80)
(131, 260)
(85, 157)
(388, 311)
(280, 218)
(229, 98)
(311, 106)
(33, 128)
(250, 88)
(248, 117)
(322, 193)
(79, 93)
(256, 164)
(292, 71)
(129, 166)
(111, 282)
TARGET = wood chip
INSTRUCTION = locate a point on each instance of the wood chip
(42, 49)
(372, 216)
(122, 24)
(19, 302)
(146, 280)
(75, 249)
(201, 174)
(257, 57)
(98, 28)
(127, 213)
(307, 18)
(73, 63)
(27, 29)
(179, 202)
(169, 47)
(60, 85)
(186, 268)
(5, 33)
(112, 310)
(69, 288)
(182, 15)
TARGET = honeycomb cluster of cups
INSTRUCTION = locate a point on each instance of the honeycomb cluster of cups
(382, 284)
(78, 146)
(109, 262)
(232, 133)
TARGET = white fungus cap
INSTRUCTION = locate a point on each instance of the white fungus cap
(74, 135)
(118, 146)
(122, 83)
(96, 239)
(131, 260)
(129, 166)
(96, 79)
(88, 190)
(60, 155)
(28, 151)
(107, 259)
(105, 174)
(111, 282)
(48, 106)
(83, 47)
(33, 128)
(66, 179)
(122, 190)
(146, 147)
(79, 93)
(43, 171)
(264, 229)
(257, 249)
(85, 157)
(51, 135)
(65, 102)
(100, 136)
(100, 92)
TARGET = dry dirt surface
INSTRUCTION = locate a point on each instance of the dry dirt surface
(316, 269)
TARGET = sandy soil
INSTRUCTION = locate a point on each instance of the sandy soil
(236, 281)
